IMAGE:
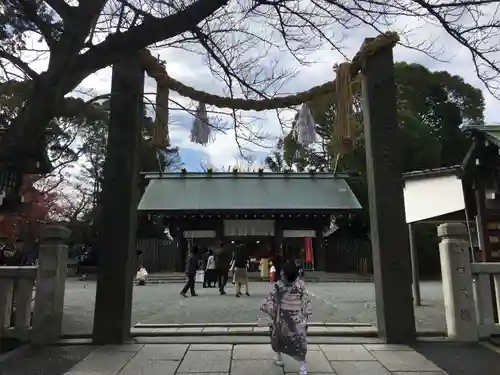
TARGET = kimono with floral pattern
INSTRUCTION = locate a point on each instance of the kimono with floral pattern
(289, 306)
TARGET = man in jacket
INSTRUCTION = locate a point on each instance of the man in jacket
(222, 264)
(191, 268)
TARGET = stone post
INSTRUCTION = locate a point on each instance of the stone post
(389, 233)
(117, 240)
(457, 283)
(50, 285)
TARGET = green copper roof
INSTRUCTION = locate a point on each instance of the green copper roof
(247, 191)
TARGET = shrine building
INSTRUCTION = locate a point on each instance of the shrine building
(289, 211)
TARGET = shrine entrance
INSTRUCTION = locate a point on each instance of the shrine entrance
(389, 235)
(271, 213)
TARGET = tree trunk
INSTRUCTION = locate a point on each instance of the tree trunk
(26, 134)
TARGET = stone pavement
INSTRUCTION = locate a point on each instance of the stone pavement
(252, 359)
(310, 277)
(161, 304)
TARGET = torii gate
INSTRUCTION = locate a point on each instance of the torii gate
(389, 235)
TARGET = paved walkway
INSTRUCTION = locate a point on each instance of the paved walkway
(310, 276)
(161, 304)
(253, 359)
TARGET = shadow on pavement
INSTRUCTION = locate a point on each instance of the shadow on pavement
(461, 359)
(50, 360)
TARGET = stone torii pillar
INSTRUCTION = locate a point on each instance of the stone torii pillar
(117, 242)
(389, 233)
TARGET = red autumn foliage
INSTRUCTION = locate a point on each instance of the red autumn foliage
(36, 209)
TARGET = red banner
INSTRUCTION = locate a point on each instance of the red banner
(308, 249)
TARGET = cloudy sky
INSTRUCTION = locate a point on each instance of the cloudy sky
(224, 151)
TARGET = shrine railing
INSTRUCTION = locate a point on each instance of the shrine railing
(486, 289)
(32, 298)
(16, 301)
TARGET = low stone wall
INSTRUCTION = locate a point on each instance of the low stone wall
(32, 297)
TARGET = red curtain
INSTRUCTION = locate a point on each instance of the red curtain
(308, 249)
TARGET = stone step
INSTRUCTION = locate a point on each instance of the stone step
(249, 331)
(246, 324)
(224, 339)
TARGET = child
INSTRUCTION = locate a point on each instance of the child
(272, 273)
(289, 306)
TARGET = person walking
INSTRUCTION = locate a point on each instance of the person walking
(222, 265)
(240, 264)
(289, 307)
(210, 275)
(191, 268)
(264, 268)
(204, 260)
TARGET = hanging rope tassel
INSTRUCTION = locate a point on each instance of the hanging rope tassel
(342, 136)
(201, 130)
(160, 139)
(306, 126)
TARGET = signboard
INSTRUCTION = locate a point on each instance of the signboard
(235, 228)
(426, 198)
(199, 234)
(299, 233)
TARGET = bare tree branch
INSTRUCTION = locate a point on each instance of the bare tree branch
(244, 44)
(18, 63)
(62, 8)
(152, 30)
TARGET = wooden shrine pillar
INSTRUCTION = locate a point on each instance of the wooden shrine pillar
(319, 251)
(182, 246)
(219, 230)
(389, 233)
(278, 237)
(112, 318)
(415, 274)
(479, 187)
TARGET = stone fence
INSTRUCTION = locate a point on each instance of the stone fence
(471, 289)
(32, 297)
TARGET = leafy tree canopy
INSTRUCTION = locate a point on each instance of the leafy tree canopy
(432, 108)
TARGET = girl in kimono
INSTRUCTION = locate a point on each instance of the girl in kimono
(289, 306)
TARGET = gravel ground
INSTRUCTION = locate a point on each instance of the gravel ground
(161, 303)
